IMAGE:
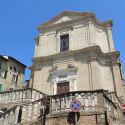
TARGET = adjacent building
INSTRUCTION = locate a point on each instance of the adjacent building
(11, 73)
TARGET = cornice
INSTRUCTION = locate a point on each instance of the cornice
(63, 70)
(111, 55)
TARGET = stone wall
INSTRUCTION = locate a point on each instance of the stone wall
(92, 72)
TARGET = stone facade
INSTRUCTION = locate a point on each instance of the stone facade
(13, 73)
(90, 63)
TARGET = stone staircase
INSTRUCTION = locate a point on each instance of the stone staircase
(31, 107)
(23, 106)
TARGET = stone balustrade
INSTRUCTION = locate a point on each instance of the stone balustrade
(91, 101)
(10, 116)
(20, 95)
(21, 113)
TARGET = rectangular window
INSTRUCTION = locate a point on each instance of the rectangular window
(3, 73)
(15, 78)
(64, 45)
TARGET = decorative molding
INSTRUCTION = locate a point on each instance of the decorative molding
(92, 49)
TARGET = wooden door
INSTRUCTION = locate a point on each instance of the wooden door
(62, 87)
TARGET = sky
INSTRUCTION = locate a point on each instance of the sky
(19, 19)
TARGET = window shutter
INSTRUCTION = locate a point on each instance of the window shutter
(5, 74)
(16, 78)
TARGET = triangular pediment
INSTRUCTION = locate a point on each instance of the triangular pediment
(63, 17)
(69, 15)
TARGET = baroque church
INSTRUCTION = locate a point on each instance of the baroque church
(74, 59)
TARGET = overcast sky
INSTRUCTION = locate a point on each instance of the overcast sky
(19, 19)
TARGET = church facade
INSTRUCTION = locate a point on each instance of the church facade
(75, 52)
(75, 66)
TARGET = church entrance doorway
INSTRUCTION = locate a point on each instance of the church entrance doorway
(62, 87)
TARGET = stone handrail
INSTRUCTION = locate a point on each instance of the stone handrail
(20, 95)
(30, 112)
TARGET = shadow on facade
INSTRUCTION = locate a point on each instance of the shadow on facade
(20, 115)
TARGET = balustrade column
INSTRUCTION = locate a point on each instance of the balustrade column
(13, 96)
(24, 95)
(2, 121)
(41, 96)
(10, 97)
(17, 96)
(11, 118)
(24, 115)
(33, 96)
(6, 120)
(7, 97)
(35, 111)
(0, 97)
(53, 105)
(28, 94)
(20, 96)
(38, 109)
(3, 97)
(62, 103)
(16, 114)
(30, 112)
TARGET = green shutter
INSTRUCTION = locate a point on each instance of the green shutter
(0, 87)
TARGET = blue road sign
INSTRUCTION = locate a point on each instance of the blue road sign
(75, 105)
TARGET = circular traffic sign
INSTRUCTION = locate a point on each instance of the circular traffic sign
(75, 105)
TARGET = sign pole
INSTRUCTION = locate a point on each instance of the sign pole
(75, 118)
(75, 106)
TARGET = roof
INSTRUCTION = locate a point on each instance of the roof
(9, 57)
(3, 58)
(79, 14)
